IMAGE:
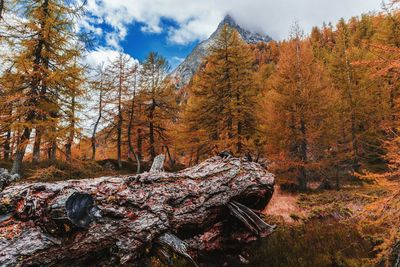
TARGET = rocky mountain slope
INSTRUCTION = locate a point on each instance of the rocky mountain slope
(185, 71)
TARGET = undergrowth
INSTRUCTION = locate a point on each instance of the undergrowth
(315, 243)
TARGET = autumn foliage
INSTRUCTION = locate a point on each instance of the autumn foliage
(323, 106)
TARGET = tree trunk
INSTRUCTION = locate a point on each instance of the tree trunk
(354, 143)
(14, 142)
(7, 146)
(93, 139)
(20, 152)
(303, 155)
(139, 144)
(151, 131)
(113, 221)
(132, 151)
(151, 140)
(120, 118)
(1, 9)
(99, 116)
(130, 126)
(36, 146)
(53, 151)
(171, 161)
(68, 152)
(239, 144)
(71, 136)
(119, 144)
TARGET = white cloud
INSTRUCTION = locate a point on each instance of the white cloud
(88, 24)
(104, 55)
(197, 19)
(100, 55)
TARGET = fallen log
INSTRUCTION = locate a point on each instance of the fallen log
(113, 221)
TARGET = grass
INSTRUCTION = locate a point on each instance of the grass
(49, 171)
(315, 243)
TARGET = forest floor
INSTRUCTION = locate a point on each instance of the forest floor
(347, 202)
(283, 204)
(323, 227)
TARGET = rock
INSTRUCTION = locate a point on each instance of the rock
(6, 178)
(158, 164)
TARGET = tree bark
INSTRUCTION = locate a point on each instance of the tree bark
(7, 146)
(20, 151)
(100, 114)
(119, 126)
(303, 154)
(121, 220)
(1, 9)
(151, 131)
(139, 144)
(53, 151)
(37, 146)
(71, 136)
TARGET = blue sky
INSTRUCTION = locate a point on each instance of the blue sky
(173, 27)
(138, 44)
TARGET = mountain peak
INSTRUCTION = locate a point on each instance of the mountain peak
(185, 71)
(228, 20)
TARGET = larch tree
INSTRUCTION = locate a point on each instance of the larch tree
(220, 112)
(40, 68)
(243, 98)
(299, 103)
(132, 107)
(120, 74)
(98, 86)
(71, 105)
(158, 99)
(355, 93)
(385, 67)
